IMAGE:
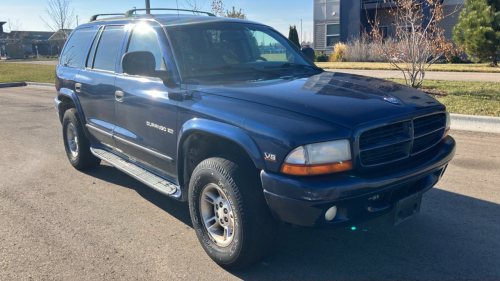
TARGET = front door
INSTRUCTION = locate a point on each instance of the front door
(145, 117)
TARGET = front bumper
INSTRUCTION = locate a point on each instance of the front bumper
(304, 201)
(57, 102)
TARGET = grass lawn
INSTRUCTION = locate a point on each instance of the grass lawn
(20, 72)
(460, 67)
(473, 98)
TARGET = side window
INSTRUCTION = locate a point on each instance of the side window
(108, 47)
(90, 57)
(74, 49)
(144, 38)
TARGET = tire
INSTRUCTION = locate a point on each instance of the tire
(76, 144)
(229, 213)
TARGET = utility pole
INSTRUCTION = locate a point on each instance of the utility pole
(148, 7)
(301, 32)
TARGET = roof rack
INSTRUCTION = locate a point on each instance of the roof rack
(130, 12)
(94, 17)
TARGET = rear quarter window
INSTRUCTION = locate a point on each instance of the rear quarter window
(74, 49)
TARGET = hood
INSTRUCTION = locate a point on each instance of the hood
(344, 99)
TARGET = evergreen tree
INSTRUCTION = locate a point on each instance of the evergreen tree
(478, 30)
(293, 35)
(236, 14)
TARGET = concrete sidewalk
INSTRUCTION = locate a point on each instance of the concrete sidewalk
(429, 75)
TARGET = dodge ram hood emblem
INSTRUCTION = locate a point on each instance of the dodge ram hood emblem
(391, 100)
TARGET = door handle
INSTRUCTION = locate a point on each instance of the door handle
(78, 87)
(119, 96)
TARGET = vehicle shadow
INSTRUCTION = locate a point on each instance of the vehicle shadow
(175, 208)
(454, 237)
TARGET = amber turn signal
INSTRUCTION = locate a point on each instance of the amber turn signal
(313, 170)
(445, 134)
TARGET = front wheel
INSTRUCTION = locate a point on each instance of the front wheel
(76, 144)
(229, 213)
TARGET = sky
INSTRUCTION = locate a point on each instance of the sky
(276, 13)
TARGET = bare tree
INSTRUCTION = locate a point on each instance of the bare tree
(417, 42)
(236, 14)
(61, 17)
(195, 5)
(218, 8)
(16, 31)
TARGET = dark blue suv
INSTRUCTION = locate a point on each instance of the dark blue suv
(232, 117)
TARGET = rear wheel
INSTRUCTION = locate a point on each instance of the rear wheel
(229, 213)
(76, 143)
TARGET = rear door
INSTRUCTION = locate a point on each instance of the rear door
(72, 56)
(96, 83)
(145, 116)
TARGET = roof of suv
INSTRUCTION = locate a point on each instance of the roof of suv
(167, 19)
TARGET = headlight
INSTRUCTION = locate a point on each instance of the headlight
(319, 158)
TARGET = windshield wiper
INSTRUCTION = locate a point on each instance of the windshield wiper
(289, 65)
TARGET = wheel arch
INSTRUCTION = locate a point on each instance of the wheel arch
(203, 132)
(69, 100)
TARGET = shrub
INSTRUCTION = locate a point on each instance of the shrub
(338, 53)
(321, 57)
(362, 49)
(452, 58)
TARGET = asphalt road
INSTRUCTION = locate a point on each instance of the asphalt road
(59, 223)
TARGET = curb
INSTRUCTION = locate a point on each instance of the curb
(15, 84)
(38, 84)
(22, 84)
(475, 123)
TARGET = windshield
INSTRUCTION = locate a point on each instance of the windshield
(247, 51)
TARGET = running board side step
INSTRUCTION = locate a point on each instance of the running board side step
(155, 182)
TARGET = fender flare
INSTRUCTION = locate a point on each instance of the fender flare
(223, 130)
(71, 95)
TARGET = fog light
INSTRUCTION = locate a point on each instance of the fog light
(331, 213)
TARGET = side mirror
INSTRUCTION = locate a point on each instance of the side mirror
(141, 63)
(309, 52)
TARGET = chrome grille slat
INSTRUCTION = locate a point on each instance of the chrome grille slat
(394, 142)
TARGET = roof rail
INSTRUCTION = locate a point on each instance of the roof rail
(94, 17)
(130, 12)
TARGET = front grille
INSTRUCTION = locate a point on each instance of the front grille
(384, 154)
(428, 124)
(381, 135)
(400, 140)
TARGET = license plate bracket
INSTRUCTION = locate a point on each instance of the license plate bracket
(407, 207)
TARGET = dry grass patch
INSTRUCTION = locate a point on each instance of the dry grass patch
(473, 98)
(461, 67)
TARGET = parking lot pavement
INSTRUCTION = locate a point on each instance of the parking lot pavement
(58, 223)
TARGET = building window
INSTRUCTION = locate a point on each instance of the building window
(332, 34)
(382, 30)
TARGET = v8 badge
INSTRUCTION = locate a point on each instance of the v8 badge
(269, 157)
